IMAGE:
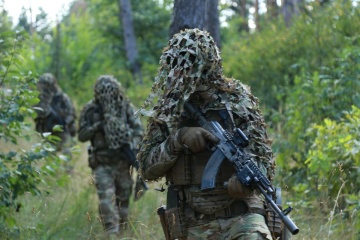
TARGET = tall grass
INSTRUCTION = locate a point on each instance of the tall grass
(70, 211)
(316, 223)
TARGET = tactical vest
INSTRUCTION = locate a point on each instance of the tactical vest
(187, 203)
(100, 153)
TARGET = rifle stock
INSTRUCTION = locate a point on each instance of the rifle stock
(231, 147)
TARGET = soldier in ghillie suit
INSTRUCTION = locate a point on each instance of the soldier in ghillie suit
(175, 146)
(55, 108)
(108, 122)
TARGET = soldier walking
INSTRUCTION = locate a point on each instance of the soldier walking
(175, 146)
(108, 122)
(55, 108)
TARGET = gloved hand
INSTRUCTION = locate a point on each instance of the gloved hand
(236, 189)
(195, 138)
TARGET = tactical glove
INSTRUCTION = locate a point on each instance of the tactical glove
(195, 138)
(236, 189)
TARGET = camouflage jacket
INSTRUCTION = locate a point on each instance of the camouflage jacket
(184, 169)
(156, 159)
(57, 111)
(91, 126)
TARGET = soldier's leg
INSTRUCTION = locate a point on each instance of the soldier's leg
(247, 227)
(104, 181)
(124, 185)
(211, 230)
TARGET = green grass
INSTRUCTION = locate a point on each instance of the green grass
(69, 211)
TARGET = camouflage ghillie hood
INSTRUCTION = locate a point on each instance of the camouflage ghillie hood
(191, 69)
(47, 82)
(190, 60)
(47, 86)
(109, 94)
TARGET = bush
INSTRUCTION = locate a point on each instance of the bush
(21, 170)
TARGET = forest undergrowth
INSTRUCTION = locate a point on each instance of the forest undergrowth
(69, 211)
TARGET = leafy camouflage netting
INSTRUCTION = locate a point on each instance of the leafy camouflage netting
(47, 86)
(191, 62)
(109, 94)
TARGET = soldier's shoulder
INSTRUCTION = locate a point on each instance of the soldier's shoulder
(241, 88)
(90, 106)
(61, 94)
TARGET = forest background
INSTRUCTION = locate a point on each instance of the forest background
(301, 59)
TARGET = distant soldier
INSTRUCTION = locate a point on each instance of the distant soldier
(108, 122)
(55, 108)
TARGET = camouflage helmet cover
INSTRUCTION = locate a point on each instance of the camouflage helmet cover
(48, 83)
(107, 88)
(108, 92)
(190, 60)
(191, 63)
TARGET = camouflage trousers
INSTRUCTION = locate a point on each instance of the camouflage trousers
(114, 186)
(246, 227)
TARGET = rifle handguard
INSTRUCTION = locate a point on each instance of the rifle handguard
(230, 147)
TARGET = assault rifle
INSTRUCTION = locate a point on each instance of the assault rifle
(231, 147)
(140, 183)
(55, 119)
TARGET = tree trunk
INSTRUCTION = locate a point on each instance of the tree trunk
(213, 24)
(125, 16)
(244, 15)
(188, 14)
(57, 51)
(202, 14)
(272, 9)
(257, 22)
(291, 8)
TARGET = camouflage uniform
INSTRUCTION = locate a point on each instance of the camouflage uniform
(55, 108)
(191, 70)
(108, 121)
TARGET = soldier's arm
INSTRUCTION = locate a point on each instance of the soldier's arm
(69, 110)
(156, 153)
(43, 107)
(87, 128)
(251, 121)
(70, 115)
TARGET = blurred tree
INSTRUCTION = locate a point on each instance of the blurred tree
(126, 19)
(55, 61)
(272, 9)
(151, 19)
(290, 9)
(41, 25)
(5, 29)
(196, 14)
(214, 21)
(244, 13)
(256, 15)
(188, 14)
(239, 9)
